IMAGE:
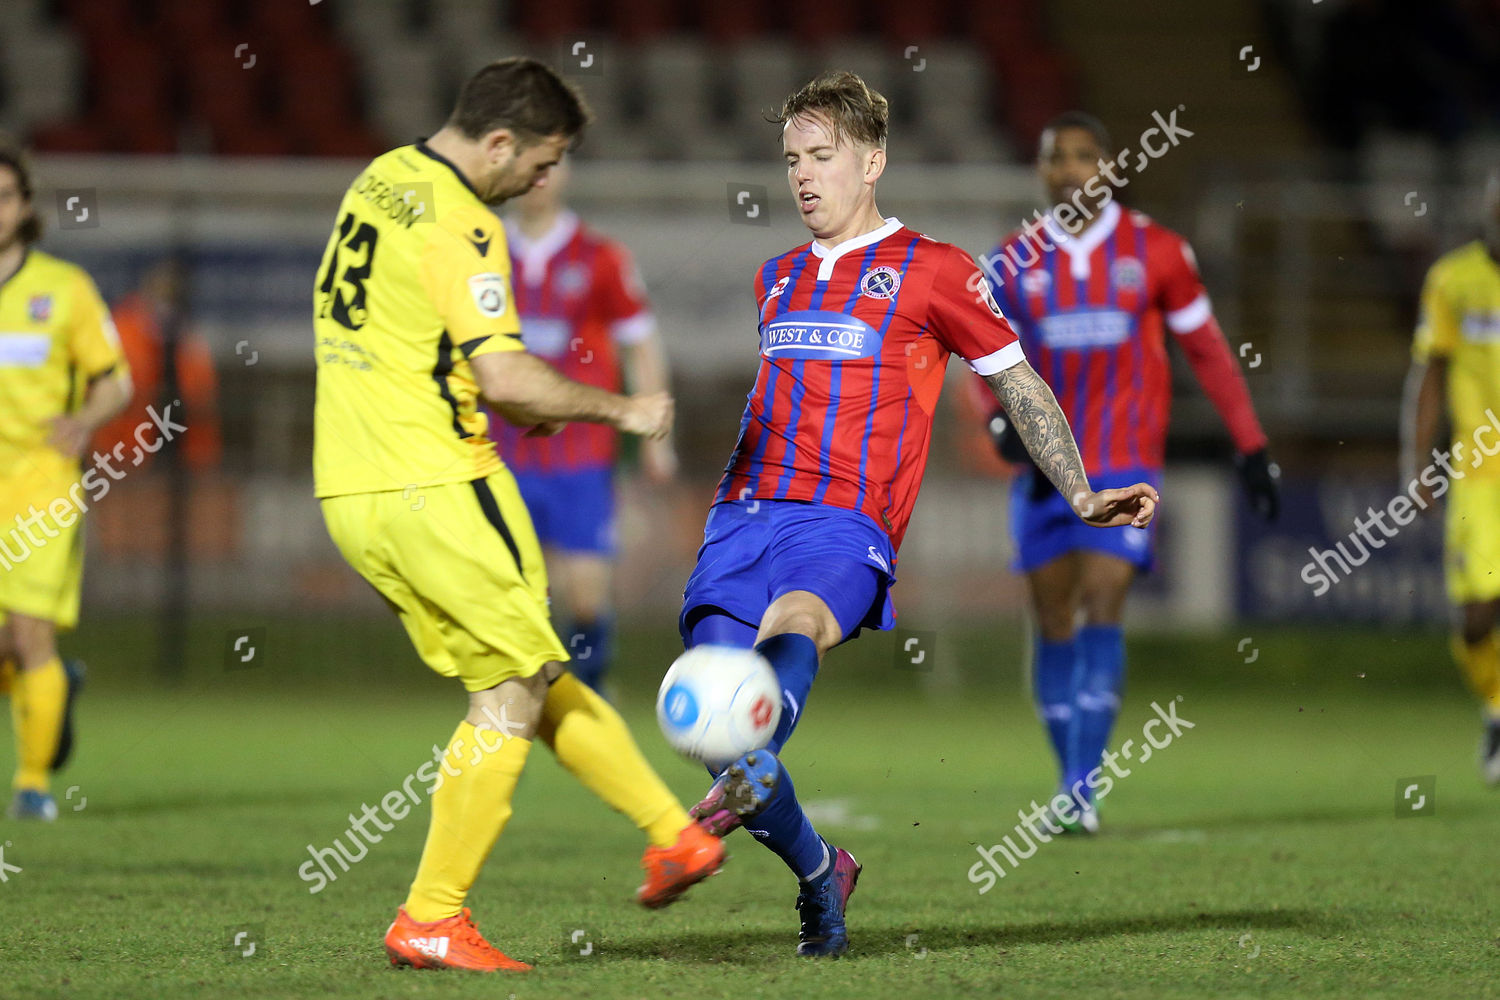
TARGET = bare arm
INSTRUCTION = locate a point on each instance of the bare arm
(525, 389)
(645, 366)
(107, 395)
(1422, 404)
(1043, 428)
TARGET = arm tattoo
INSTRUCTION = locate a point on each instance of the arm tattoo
(1037, 418)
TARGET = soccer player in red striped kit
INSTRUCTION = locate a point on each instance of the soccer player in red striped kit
(799, 551)
(1093, 291)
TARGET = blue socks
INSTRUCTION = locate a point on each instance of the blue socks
(784, 828)
(1097, 702)
(1077, 684)
(1053, 682)
(589, 643)
(795, 659)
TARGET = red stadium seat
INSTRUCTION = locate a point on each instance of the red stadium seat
(554, 20)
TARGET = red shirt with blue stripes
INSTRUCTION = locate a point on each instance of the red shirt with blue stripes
(854, 340)
(1092, 312)
(579, 298)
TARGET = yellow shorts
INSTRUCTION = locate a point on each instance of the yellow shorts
(461, 565)
(1471, 551)
(41, 549)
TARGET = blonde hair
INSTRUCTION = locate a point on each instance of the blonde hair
(855, 112)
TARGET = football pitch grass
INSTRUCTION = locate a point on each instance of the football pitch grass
(1259, 854)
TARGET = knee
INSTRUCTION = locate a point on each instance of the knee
(1104, 601)
(822, 628)
(1478, 621)
(34, 642)
(1056, 621)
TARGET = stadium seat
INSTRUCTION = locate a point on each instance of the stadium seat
(41, 70)
(676, 81)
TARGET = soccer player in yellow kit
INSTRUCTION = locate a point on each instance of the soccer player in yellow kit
(414, 320)
(1456, 368)
(61, 375)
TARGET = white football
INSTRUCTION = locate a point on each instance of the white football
(718, 703)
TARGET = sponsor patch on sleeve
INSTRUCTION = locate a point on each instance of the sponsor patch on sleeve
(489, 293)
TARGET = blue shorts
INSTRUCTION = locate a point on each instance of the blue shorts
(1044, 525)
(572, 511)
(754, 551)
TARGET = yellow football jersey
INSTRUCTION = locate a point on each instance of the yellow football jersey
(1461, 322)
(414, 282)
(55, 336)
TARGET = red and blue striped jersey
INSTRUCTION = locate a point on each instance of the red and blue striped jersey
(579, 296)
(854, 340)
(1092, 312)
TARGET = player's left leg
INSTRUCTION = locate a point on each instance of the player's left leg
(1105, 583)
(795, 632)
(1471, 547)
(1477, 651)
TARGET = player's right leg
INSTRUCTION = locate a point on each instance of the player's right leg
(39, 700)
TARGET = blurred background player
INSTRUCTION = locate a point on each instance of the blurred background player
(1455, 372)
(61, 376)
(583, 308)
(799, 550)
(147, 320)
(414, 319)
(1092, 292)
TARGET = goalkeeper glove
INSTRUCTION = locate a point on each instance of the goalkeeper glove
(1261, 477)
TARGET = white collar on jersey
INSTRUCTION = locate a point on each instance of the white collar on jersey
(1080, 248)
(832, 254)
(535, 253)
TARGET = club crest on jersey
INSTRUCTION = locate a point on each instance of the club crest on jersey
(880, 282)
(1035, 282)
(1127, 274)
(39, 308)
(489, 293)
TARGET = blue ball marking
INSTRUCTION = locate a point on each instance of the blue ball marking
(682, 707)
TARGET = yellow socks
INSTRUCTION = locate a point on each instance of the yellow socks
(37, 700)
(469, 809)
(1481, 665)
(591, 740)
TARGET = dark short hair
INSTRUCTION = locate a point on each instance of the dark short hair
(1083, 120)
(13, 157)
(856, 112)
(523, 95)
